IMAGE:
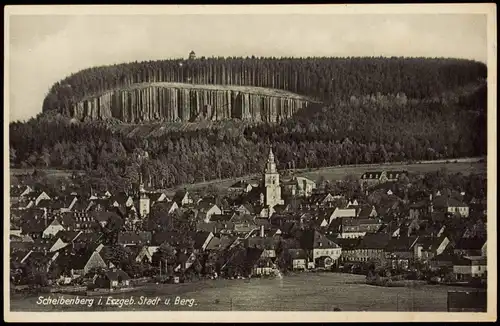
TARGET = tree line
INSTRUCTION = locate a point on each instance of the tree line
(365, 129)
(322, 78)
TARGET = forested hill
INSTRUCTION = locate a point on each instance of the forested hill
(363, 129)
(329, 80)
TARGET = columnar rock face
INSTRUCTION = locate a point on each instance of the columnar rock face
(185, 102)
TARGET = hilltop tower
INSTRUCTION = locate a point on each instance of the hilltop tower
(272, 182)
(192, 55)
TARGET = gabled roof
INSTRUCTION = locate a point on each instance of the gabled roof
(258, 242)
(475, 243)
(445, 201)
(33, 226)
(179, 195)
(103, 216)
(314, 239)
(117, 275)
(297, 254)
(67, 236)
(165, 236)
(375, 241)
(402, 243)
(199, 238)
(137, 238)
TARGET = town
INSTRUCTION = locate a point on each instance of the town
(392, 226)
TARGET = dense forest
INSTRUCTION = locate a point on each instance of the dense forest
(326, 79)
(363, 129)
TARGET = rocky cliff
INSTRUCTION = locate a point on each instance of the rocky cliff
(189, 102)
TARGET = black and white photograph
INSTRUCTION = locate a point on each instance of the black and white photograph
(278, 162)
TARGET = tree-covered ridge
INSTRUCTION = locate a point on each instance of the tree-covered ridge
(364, 129)
(325, 79)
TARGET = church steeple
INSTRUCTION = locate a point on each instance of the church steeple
(272, 182)
(271, 164)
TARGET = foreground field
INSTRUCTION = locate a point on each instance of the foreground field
(303, 292)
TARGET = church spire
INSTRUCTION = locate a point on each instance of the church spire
(271, 164)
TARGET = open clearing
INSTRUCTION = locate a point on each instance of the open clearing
(465, 166)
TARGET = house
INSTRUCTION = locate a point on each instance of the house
(241, 187)
(201, 240)
(79, 263)
(349, 248)
(442, 261)
(33, 228)
(52, 229)
(182, 198)
(475, 246)
(18, 192)
(321, 199)
(168, 207)
(466, 268)
(247, 262)
(207, 209)
(367, 212)
(371, 247)
(37, 196)
(157, 197)
(130, 238)
(354, 227)
(146, 254)
(342, 212)
(400, 251)
(104, 217)
(112, 279)
(298, 258)
(369, 179)
(323, 251)
(451, 205)
(298, 186)
(427, 248)
(122, 199)
(245, 209)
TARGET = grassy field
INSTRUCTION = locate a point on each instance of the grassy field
(338, 173)
(465, 166)
(303, 292)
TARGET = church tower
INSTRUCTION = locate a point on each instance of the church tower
(272, 182)
(144, 201)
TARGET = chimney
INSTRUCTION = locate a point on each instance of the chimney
(262, 231)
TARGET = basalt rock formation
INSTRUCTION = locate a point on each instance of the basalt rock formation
(173, 102)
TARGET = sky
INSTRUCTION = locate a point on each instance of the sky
(44, 49)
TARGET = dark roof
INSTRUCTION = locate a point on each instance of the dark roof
(475, 243)
(116, 275)
(401, 244)
(199, 238)
(258, 242)
(297, 254)
(375, 241)
(346, 244)
(67, 236)
(33, 226)
(103, 216)
(179, 195)
(446, 201)
(166, 236)
(137, 238)
(314, 239)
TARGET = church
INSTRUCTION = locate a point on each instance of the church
(272, 187)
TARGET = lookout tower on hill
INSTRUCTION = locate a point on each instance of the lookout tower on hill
(192, 55)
